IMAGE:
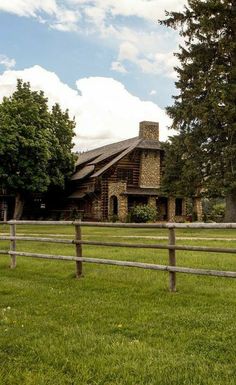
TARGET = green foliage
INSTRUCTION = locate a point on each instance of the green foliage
(183, 174)
(62, 161)
(114, 218)
(204, 110)
(35, 145)
(24, 144)
(143, 214)
(213, 210)
(76, 214)
(218, 212)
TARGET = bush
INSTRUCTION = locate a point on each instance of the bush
(218, 212)
(213, 210)
(143, 214)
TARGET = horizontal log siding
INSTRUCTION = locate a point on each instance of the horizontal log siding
(104, 197)
(130, 161)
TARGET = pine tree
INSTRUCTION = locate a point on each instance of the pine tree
(204, 111)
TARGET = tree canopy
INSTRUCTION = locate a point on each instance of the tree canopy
(36, 144)
(204, 110)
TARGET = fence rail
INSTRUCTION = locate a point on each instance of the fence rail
(171, 268)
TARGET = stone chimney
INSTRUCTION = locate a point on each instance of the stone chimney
(149, 130)
(149, 174)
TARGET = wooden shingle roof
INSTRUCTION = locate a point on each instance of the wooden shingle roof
(104, 152)
(112, 153)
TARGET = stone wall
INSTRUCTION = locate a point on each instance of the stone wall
(171, 209)
(116, 189)
(150, 169)
(172, 217)
(152, 202)
(197, 208)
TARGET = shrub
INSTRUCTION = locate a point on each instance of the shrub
(143, 214)
(218, 212)
(114, 218)
(213, 209)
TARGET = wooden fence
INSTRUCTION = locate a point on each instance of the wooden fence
(171, 268)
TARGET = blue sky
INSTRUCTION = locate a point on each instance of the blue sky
(115, 46)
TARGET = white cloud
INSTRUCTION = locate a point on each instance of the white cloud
(57, 15)
(128, 51)
(7, 62)
(104, 110)
(96, 10)
(141, 46)
(146, 9)
(152, 92)
(152, 63)
(29, 8)
(118, 67)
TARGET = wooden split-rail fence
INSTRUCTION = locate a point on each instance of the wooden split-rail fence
(78, 241)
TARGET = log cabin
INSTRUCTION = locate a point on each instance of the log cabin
(110, 180)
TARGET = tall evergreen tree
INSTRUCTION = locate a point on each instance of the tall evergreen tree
(204, 111)
(35, 144)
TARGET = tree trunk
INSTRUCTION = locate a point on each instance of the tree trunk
(19, 205)
(230, 210)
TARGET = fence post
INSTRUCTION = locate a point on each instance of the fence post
(78, 247)
(172, 260)
(13, 245)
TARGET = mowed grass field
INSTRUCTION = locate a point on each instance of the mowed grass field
(117, 325)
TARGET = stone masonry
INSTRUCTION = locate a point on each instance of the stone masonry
(150, 159)
(117, 189)
(152, 202)
(171, 209)
(150, 169)
(198, 208)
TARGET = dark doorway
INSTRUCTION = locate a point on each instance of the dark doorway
(179, 206)
(162, 209)
(114, 205)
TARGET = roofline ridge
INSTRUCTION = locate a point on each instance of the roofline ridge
(107, 145)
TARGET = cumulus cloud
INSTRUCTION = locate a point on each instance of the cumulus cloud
(57, 14)
(149, 49)
(96, 10)
(104, 110)
(7, 62)
(148, 62)
(105, 19)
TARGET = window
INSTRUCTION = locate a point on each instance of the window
(125, 174)
(179, 206)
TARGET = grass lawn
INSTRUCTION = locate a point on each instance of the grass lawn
(117, 326)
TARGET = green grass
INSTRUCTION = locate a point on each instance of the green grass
(117, 326)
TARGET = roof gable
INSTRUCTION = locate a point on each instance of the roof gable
(88, 160)
(102, 153)
(116, 159)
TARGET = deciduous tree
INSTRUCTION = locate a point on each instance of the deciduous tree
(35, 144)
